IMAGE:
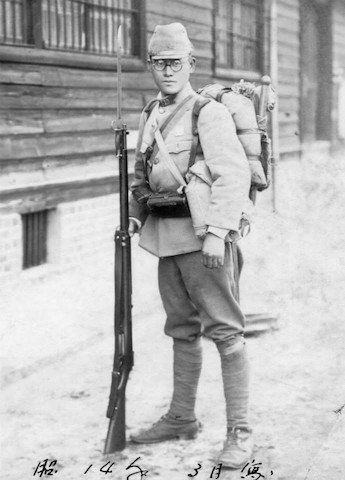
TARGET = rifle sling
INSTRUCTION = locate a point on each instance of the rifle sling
(198, 105)
(118, 280)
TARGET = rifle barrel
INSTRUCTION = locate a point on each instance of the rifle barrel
(123, 179)
(119, 76)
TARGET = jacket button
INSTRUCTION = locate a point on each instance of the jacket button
(155, 161)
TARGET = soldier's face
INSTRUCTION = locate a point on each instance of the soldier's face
(169, 81)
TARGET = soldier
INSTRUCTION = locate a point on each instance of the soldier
(196, 275)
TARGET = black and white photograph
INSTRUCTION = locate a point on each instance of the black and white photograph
(172, 239)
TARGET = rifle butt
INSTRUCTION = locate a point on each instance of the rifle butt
(116, 436)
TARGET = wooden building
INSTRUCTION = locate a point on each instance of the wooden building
(58, 97)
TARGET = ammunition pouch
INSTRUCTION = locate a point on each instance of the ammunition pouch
(168, 205)
(142, 194)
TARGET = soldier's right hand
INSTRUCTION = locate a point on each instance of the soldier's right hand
(213, 250)
(133, 227)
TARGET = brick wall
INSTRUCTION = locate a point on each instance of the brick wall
(339, 71)
(81, 229)
(10, 244)
(77, 232)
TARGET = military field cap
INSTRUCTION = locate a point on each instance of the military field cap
(169, 41)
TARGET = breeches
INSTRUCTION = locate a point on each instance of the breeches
(199, 300)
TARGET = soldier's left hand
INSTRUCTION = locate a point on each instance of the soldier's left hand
(213, 250)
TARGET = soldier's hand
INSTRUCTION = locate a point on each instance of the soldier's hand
(244, 228)
(258, 177)
(213, 250)
(133, 227)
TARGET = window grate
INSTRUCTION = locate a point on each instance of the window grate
(77, 25)
(239, 25)
(34, 238)
(12, 21)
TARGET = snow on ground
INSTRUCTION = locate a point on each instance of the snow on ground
(294, 268)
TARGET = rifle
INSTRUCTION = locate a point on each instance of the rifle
(123, 355)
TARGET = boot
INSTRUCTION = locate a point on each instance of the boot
(180, 421)
(167, 428)
(237, 449)
(238, 444)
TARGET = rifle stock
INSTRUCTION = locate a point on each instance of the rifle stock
(123, 355)
(116, 436)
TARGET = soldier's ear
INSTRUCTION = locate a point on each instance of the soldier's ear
(192, 62)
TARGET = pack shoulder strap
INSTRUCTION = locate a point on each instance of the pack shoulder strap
(170, 122)
(221, 93)
(245, 131)
(167, 126)
(198, 105)
(167, 159)
(149, 107)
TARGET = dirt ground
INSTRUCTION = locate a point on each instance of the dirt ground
(295, 260)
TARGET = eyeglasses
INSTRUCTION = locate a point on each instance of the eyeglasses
(160, 65)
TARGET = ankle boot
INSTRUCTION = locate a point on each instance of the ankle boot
(167, 428)
(237, 449)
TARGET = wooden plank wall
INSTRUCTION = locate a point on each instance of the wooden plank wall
(338, 35)
(288, 23)
(196, 16)
(338, 69)
(55, 120)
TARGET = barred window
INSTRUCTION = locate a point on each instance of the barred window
(34, 238)
(77, 25)
(238, 34)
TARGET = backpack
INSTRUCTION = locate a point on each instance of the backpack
(248, 105)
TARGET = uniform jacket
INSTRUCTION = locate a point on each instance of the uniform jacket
(227, 163)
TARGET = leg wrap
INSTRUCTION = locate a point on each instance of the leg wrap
(187, 368)
(235, 374)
